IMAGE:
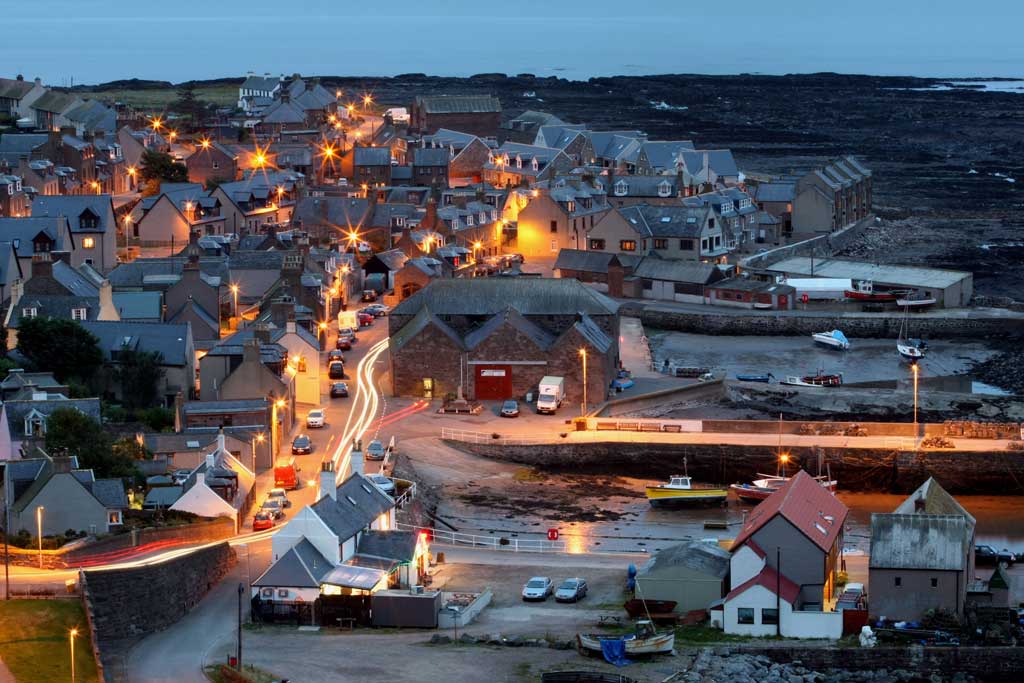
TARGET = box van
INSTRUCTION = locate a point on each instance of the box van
(286, 474)
(551, 392)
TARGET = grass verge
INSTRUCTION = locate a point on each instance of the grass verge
(34, 642)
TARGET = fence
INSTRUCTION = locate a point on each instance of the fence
(457, 538)
(406, 496)
(489, 437)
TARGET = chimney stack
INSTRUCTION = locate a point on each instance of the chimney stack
(221, 445)
(356, 459)
(108, 311)
(211, 461)
(328, 483)
(42, 265)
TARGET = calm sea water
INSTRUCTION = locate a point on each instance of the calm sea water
(61, 40)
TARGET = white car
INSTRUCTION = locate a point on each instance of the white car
(382, 482)
(538, 588)
(315, 418)
(281, 496)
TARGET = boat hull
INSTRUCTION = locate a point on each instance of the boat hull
(764, 379)
(915, 303)
(664, 496)
(660, 644)
(830, 343)
(872, 296)
(752, 493)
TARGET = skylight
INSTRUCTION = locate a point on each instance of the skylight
(824, 532)
(353, 501)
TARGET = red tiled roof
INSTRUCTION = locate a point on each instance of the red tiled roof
(805, 504)
(769, 578)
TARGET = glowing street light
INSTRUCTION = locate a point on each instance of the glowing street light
(367, 100)
(71, 638)
(205, 143)
(351, 108)
(173, 135)
(234, 293)
(96, 186)
(39, 533)
(583, 355)
(156, 123)
(915, 369)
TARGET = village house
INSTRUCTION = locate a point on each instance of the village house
(665, 280)
(693, 575)
(784, 563)
(475, 114)
(92, 226)
(17, 96)
(220, 486)
(187, 450)
(322, 217)
(29, 409)
(17, 379)
(524, 126)
(212, 161)
(54, 494)
(747, 292)
(256, 93)
(467, 154)
(48, 109)
(573, 140)
(36, 235)
(593, 266)
(672, 232)
(162, 224)
(561, 217)
(258, 199)
(372, 166)
(776, 198)
(922, 556)
(430, 166)
(513, 164)
(831, 198)
(627, 190)
(14, 201)
(500, 336)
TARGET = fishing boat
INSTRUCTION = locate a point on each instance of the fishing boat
(680, 490)
(764, 379)
(645, 640)
(833, 340)
(915, 301)
(864, 290)
(909, 349)
(792, 381)
(824, 380)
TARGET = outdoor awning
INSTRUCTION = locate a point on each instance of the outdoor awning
(347, 576)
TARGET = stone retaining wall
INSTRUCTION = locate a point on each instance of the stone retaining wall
(823, 245)
(858, 469)
(716, 322)
(126, 605)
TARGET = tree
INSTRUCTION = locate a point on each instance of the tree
(190, 106)
(71, 432)
(139, 374)
(161, 167)
(62, 347)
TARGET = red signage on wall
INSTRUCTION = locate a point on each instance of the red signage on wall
(552, 534)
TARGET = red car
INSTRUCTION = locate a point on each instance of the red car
(365, 319)
(262, 521)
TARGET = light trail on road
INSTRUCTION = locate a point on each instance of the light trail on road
(365, 405)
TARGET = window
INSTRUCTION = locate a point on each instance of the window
(711, 222)
(570, 206)
(769, 615)
(554, 245)
(627, 245)
(554, 226)
(113, 517)
(897, 581)
(88, 243)
(665, 189)
(29, 312)
(621, 188)
(519, 162)
(78, 314)
(534, 164)
(935, 583)
(596, 244)
(704, 245)
(647, 284)
(267, 593)
(686, 245)
(745, 615)
(282, 593)
(718, 241)
(660, 243)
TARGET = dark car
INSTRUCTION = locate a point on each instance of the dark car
(986, 554)
(343, 344)
(510, 408)
(369, 295)
(335, 355)
(336, 370)
(301, 444)
(339, 390)
(347, 333)
(365, 319)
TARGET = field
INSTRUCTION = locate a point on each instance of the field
(159, 98)
(34, 641)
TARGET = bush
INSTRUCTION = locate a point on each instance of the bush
(157, 419)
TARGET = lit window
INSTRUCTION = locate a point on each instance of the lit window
(88, 243)
(78, 314)
(29, 312)
(627, 245)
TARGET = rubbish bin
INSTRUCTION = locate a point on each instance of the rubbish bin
(529, 399)
(581, 424)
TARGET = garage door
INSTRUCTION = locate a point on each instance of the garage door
(493, 382)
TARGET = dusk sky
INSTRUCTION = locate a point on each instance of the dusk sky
(101, 40)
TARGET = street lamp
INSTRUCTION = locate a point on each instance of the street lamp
(71, 638)
(259, 439)
(915, 369)
(583, 355)
(39, 533)
(477, 246)
(234, 293)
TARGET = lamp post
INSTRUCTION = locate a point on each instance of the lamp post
(234, 293)
(914, 368)
(238, 653)
(583, 408)
(259, 439)
(39, 533)
(71, 638)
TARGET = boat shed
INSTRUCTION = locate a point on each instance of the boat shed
(746, 292)
(690, 574)
(949, 288)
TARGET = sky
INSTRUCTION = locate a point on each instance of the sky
(92, 41)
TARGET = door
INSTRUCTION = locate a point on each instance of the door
(783, 302)
(428, 387)
(493, 382)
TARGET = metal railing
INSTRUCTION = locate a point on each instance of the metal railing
(509, 543)
(493, 437)
(406, 497)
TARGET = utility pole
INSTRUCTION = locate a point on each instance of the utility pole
(778, 589)
(238, 653)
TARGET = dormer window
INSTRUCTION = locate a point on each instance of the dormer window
(35, 424)
(494, 215)
(519, 162)
(398, 221)
(469, 220)
(491, 159)
(665, 189)
(78, 314)
(88, 220)
(535, 164)
(17, 185)
(482, 217)
(621, 188)
(29, 312)
(570, 205)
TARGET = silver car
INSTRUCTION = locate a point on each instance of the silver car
(383, 483)
(571, 590)
(375, 451)
(538, 588)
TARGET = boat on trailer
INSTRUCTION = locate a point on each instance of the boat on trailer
(834, 339)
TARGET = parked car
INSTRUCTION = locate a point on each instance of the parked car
(385, 484)
(339, 390)
(262, 521)
(281, 495)
(336, 370)
(369, 295)
(986, 554)
(301, 444)
(335, 355)
(510, 408)
(273, 507)
(348, 334)
(365, 319)
(571, 590)
(315, 419)
(343, 344)
(180, 476)
(379, 310)
(375, 450)
(538, 588)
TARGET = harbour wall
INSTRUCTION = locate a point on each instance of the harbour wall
(860, 469)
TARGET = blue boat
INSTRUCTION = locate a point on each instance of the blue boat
(764, 379)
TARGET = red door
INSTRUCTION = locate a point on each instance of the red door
(493, 382)
(784, 302)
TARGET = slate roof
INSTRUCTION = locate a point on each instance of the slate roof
(110, 492)
(372, 156)
(23, 230)
(284, 112)
(301, 567)
(170, 340)
(73, 281)
(559, 136)
(162, 496)
(665, 221)
(13, 89)
(344, 212)
(458, 104)
(164, 272)
(226, 406)
(93, 116)
(919, 541)
(673, 270)
(138, 305)
(420, 322)
(446, 137)
(516, 321)
(72, 206)
(591, 261)
(165, 442)
(934, 500)
(18, 146)
(775, 192)
(17, 410)
(805, 504)
(644, 186)
(430, 156)
(589, 330)
(699, 556)
(260, 83)
(53, 102)
(356, 504)
(661, 154)
(721, 161)
(41, 380)
(57, 306)
(488, 296)
(399, 546)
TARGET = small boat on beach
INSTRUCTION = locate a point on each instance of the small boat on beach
(643, 641)
(833, 340)
(909, 349)
(680, 490)
(759, 489)
(864, 290)
(824, 380)
(764, 379)
(792, 381)
(915, 301)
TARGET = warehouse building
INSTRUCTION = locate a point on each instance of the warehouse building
(497, 337)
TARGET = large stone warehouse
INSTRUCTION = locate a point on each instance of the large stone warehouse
(500, 336)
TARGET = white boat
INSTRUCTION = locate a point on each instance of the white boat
(909, 349)
(645, 641)
(833, 340)
(793, 381)
(915, 302)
